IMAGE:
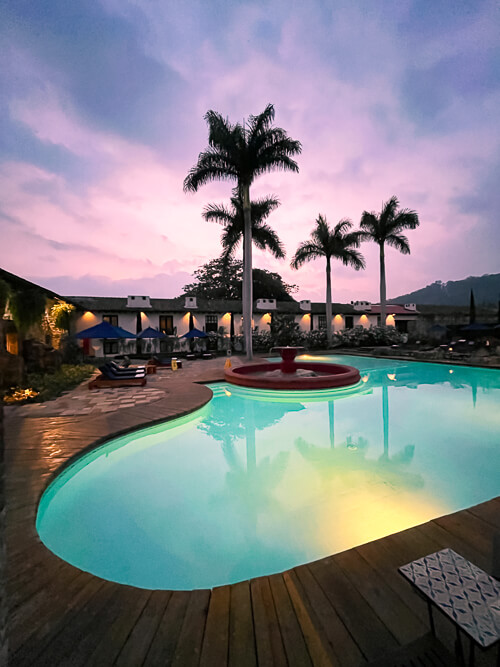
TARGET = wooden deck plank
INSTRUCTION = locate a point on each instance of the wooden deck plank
(215, 648)
(368, 631)
(463, 524)
(127, 609)
(136, 647)
(319, 648)
(85, 646)
(44, 608)
(78, 624)
(402, 622)
(164, 642)
(341, 641)
(268, 641)
(444, 538)
(188, 649)
(241, 630)
(489, 512)
(54, 622)
(293, 639)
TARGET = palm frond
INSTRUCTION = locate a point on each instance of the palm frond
(306, 252)
(406, 219)
(211, 166)
(354, 258)
(266, 238)
(342, 226)
(217, 213)
(399, 242)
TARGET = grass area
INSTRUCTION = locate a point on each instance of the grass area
(47, 386)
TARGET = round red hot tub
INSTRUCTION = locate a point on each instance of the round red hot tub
(297, 375)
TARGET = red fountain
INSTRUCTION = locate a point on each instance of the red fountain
(291, 374)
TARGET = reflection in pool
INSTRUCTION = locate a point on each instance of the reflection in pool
(257, 482)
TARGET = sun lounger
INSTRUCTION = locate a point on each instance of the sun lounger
(124, 369)
(110, 371)
(109, 378)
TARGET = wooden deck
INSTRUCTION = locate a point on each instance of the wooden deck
(344, 610)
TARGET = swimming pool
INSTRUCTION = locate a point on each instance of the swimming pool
(257, 482)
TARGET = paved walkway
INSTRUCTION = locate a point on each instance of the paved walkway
(82, 401)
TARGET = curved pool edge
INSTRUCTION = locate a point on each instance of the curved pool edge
(26, 468)
(96, 443)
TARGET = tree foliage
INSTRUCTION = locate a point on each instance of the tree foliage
(222, 278)
(263, 236)
(27, 307)
(337, 243)
(384, 229)
(240, 153)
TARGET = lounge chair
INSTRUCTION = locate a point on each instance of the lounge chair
(113, 371)
(125, 369)
(110, 378)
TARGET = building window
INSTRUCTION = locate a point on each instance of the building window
(402, 326)
(111, 346)
(211, 323)
(321, 321)
(111, 319)
(167, 324)
(349, 321)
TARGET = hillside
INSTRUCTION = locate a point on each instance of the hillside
(456, 292)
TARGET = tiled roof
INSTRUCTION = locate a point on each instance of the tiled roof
(177, 305)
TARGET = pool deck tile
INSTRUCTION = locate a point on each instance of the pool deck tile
(343, 610)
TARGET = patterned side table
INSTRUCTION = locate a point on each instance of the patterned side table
(462, 591)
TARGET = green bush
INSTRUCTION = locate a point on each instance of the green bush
(359, 336)
(51, 385)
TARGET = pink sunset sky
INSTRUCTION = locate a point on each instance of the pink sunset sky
(102, 118)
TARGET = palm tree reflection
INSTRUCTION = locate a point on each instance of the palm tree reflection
(350, 456)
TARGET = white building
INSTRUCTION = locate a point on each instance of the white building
(175, 317)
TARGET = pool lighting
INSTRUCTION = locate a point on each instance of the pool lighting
(391, 376)
(364, 378)
(450, 371)
(228, 393)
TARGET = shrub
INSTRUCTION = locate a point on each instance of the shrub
(51, 385)
(359, 336)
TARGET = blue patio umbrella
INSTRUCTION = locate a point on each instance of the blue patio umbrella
(476, 326)
(125, 334)
(151, 333)
(195, 333)
(103, 330)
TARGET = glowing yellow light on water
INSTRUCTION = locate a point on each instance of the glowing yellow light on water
(391, 376)
(450, 371)
(228, 393)
(364, 378)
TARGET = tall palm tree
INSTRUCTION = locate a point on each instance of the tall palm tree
(387, 228)
(241, 152)
(263, 236)
(339, 243)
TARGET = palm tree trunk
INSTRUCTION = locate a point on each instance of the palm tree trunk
(328, 302)
(382, 286)
(247, 273)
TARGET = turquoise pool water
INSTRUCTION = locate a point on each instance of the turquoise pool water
(257, 482)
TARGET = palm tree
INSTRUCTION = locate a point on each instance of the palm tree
(387, 228)
(263, 236)
(241, 153)
(338, 243)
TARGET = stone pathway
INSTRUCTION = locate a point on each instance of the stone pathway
(82, 401)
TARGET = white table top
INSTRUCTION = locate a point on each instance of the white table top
(467, 594)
